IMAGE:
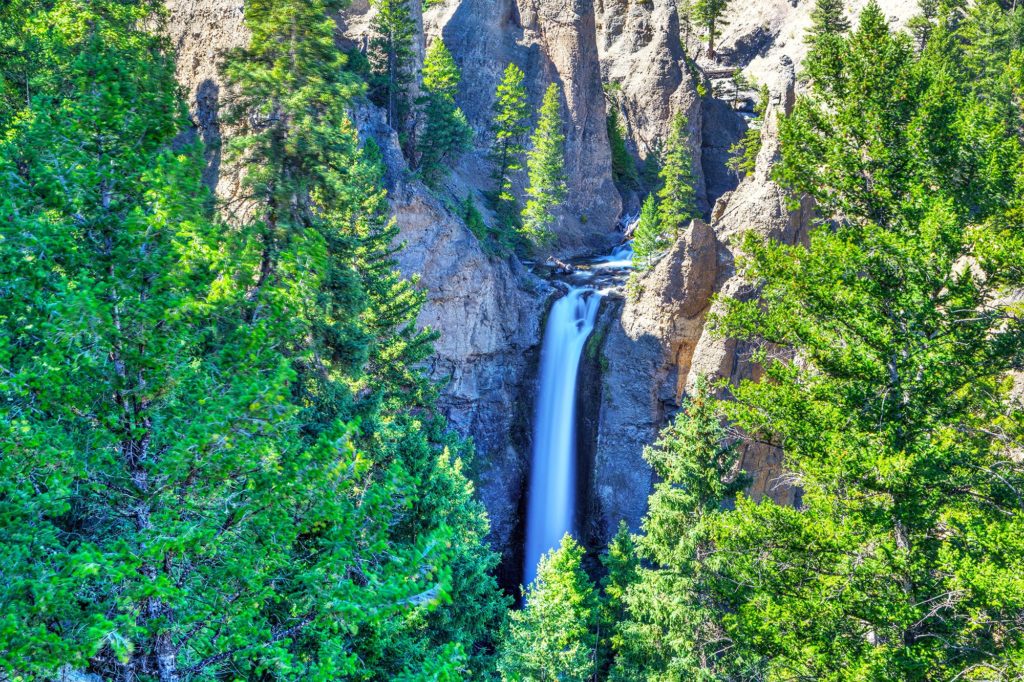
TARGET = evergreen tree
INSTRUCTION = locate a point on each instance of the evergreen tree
(621, 563)
(554, 636)
(447, 132)
(172, 519)
(511, 117)
(649, 237)
(677, 196)
(708, 16)
(623, 166)
(743, 154)
(392, 31)
(904, 560)
(673, 630)
(327, 293)
(825, 40)
(546, 164)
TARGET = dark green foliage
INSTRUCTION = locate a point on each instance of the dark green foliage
(546, 163)
(676, 197)
(392, 58)
(623, 166)
(511, 123)
(743, 154)
(447, 132)
(554, 636)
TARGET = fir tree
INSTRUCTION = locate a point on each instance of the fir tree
(392, 31)
(899, 564)
(511, 117)
(447, 132)
(673, 630)
(649, 237)
(554, 636)
(708, 15)
(623, 166)
(743, 154)
(677, 196)
(546, 163)
(825, 39)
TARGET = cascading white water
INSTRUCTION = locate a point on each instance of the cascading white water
(552, 494)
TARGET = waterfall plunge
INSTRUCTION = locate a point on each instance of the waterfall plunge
(552, 496)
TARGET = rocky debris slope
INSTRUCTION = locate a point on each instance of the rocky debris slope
(660, 346)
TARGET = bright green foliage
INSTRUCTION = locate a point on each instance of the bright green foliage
(649, 237)
(546, 164)
(673, 630)
(392, 31)
(184, 490)
(623, 166)
(510, 125)
(554, 636)
(906, 559)
(676, 197)
(707, 14)
(621, 563)
(825, 40)
(319, 241)
(164, 514)
(447, 132)
(743, 154)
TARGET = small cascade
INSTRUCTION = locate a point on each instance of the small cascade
(552, 495)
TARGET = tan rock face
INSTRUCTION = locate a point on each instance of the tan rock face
(553, 42)
(641, 53)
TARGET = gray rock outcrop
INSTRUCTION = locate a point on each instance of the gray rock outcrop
(662, 345)
(486, 309)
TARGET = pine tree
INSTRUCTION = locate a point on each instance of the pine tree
(392, 31)
(621, 562)
(677, 196)
(743, 154)
(511, 117)
(554, 636)
(447, 132)
(327, 292)
(825, 39)
(623, 166)
(673, 630)
(708, 15)
(904, 559)
(546, 163)
(649, 237)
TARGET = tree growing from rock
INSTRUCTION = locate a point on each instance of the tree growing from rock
(554, 636)
(677, 196)
(649, 237)
(707, 14)
(446, 132)
(510, 126)
(546, 164)
(743, 154)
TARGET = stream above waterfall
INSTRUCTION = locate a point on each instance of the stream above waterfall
(552, 507)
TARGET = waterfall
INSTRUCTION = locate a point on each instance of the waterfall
(552, 494)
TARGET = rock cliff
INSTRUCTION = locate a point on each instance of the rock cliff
(660, 346)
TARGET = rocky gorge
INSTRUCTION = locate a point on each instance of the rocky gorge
(648, 346)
